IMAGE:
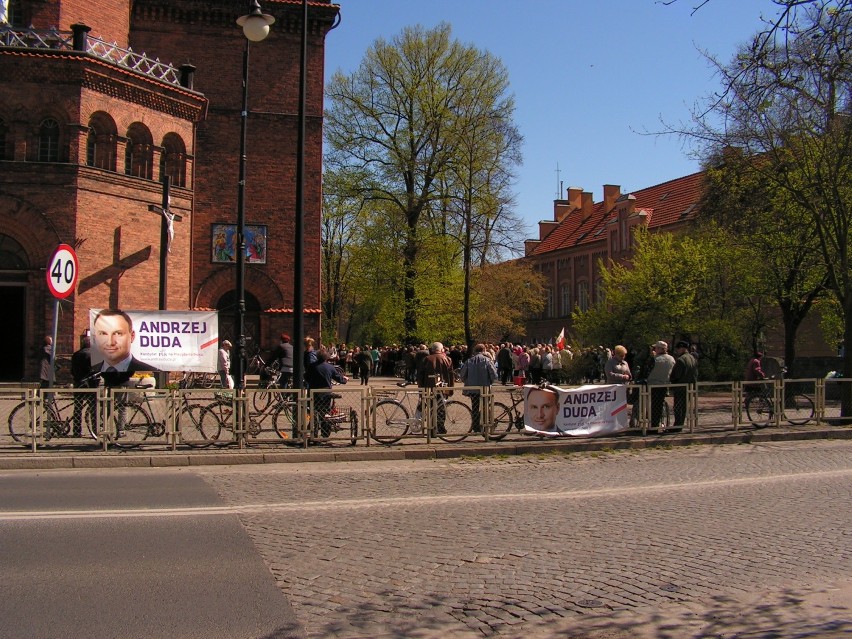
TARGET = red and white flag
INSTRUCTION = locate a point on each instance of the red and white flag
(560, 341)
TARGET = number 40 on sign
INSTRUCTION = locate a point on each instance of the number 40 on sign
(62, 272)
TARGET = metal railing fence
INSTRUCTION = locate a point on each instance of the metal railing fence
(36, 419)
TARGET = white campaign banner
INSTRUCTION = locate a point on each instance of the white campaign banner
(155, 340)
(576, 412)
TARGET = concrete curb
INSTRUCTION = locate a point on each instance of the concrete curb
(62, 459)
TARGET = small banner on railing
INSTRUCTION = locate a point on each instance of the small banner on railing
(586, 411)
(138, 341)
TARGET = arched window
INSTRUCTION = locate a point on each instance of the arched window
(15, 14)
(139, 156)
(566, 299)
(13, 257)
(48, 140)
(583, 295)
(101, 142)
(173, 159)
(548, 306)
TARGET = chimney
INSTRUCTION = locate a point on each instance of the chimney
(588, 206)
(611, 193)
(545, 227)
(575, 197)
(560, 210)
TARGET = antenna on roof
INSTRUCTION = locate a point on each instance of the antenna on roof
(558, 183)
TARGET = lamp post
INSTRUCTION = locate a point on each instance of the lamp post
(299, 248)
(255, 28)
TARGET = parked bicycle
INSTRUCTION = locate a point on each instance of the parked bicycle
(199, 380)
(399, 414)
(203, 425)
(797, 409)
(333, 419)
(255, 365)
(507, 418)
(200, 424)
(133, 416)
(57, 417)
(270, 380)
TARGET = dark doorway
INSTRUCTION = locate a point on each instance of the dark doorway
(227, 306)
(13, 299)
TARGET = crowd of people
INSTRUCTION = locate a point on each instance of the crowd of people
(513, 364)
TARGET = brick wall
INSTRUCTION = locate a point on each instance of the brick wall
(206, 35)
(109, 19)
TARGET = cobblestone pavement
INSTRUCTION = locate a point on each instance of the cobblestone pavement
(710, 541)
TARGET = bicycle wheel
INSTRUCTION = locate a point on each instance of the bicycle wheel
(799, 409)
(392, 421)
(133, 424)
(504, 420)
(458, 421)
(284, 420)
(194, 430)
(759, 410)
(219, 414)
(20, 425)
(90, 415)
(353, 426)
(261, 400)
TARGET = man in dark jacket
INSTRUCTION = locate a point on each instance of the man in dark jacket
(685, 371)
(321, 376)
(81, 371)
(282, 359)
(435, 367)
(504, 363)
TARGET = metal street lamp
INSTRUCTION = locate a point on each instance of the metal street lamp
(299, 248)
(255, 28)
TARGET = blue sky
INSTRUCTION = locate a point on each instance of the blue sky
(588, 77)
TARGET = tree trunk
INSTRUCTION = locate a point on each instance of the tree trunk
(411, 305)
(791, 327)
(846, 387)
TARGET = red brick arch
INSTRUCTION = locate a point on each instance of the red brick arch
(31, 228)
(222, 280)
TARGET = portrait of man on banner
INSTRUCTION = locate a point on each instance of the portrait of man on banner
(113, 336)
(125, 343)
(586, 411)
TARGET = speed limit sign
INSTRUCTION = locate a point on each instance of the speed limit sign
(62, 272)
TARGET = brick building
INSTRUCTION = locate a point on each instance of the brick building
(584, 233)
(89, 125)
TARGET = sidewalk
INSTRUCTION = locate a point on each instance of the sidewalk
(14, 459)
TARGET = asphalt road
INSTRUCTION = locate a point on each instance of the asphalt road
(129, 554)
(727, 541)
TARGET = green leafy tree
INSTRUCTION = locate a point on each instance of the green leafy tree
(676, 287)
(398, 120)
(786, 104)
(780, 239)
(503, 297)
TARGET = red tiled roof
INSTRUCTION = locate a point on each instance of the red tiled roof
(671, 202)
(665, 204)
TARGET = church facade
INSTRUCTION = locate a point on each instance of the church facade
(100, 102)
